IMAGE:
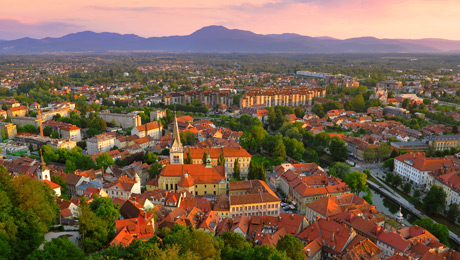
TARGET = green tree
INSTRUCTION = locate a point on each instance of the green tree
(205, 156)
(358, 103)
(292, 246)
(47, 130)
(154, 170)
(299, 113)
(280, 149)
(188, 138)
(236, 169)
(149, 158)
(407, 187)
(221, 159)
(58, 248)
(27, 209)
(188, 159)
(318, 110)
(338, 149)
(339, 169)
(453, 212)
(438, 230)
(357, 181)
(97, 222)
(61, 182)
(433, 202)
(389, 164)
(104, 160)
(3, 132)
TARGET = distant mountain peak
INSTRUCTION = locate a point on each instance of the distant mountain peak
(218, 38)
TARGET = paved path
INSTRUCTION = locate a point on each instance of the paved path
(74, 236)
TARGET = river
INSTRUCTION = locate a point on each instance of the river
(390, 208)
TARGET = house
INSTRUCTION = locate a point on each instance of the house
(18, 111)
(55, 187)
(65, 131)
(123, 187)
(134, 228)
(152, 129)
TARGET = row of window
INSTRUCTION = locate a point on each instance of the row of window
(270, 213)
(256, 207)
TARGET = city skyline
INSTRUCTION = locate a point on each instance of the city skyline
(335, 18)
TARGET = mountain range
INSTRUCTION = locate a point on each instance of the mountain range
(221, 39)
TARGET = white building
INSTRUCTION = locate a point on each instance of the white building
(416, 167)
(100, 144)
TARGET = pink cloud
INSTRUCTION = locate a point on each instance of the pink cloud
(336, 18)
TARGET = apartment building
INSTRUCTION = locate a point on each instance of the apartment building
(416, 168)
(65, 131)
(207, 97)
(286, 96)
(122, 120)
(100, 143)
(252, 198)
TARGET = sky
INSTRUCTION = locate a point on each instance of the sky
(409, 19)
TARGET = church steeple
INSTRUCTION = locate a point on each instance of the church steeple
(176, 153)
(43, 173)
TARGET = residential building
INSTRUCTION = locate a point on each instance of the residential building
(207, 97)
(152, 129)
(122, 120)
(252, 198)
(100, 143)
(123, 187)
(444, 142)
(65, 131)
(416, 167)
(17, 111)
(158, 114)
(286, 96)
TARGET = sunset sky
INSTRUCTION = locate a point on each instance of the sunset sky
(335, 18)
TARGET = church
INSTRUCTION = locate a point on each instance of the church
(198, 179)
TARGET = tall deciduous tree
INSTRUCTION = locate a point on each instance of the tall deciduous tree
(433, 203)
(236, 169)
(221, 159)
(104, 160)
(338, 149)
(205, 156)
(356, 181)
(292, 246)
(280, 149)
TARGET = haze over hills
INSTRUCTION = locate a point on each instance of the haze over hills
(221, 39)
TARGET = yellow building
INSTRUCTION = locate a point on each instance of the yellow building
(252, 198)
(198, 179)
(231, 154)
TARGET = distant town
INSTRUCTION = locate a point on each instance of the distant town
(229, 156)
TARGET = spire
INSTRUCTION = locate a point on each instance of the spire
(176, 134)
(43, 164)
